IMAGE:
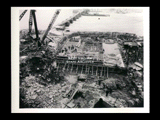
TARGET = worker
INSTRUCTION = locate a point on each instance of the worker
(107, 92)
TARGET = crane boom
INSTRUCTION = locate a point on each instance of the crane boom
(30, 22)
(50, 25)
(23, 13)
(35, 24)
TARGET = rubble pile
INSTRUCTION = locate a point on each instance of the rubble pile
(36, 95)
(66, 94)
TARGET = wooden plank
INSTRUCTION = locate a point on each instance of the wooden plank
(64, 67)
(71, 68)
(82, 69)
(68, 67)
(88, 70)
(97, 71)
(77, 69)
(101, 71)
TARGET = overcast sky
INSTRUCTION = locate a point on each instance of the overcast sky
(44, 17)
(131, 22)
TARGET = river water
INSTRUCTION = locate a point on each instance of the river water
(130, 22)
(114, 23)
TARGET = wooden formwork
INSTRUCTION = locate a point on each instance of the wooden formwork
(101, 71)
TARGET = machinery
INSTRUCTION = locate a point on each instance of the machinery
(50, 25)
(23, 13)
(33, 18)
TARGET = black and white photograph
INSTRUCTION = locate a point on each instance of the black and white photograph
(79, 59)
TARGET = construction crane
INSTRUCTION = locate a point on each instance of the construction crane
(50, 25)
(23, 13)
(33, 17)
(30, 23)
(32, 14)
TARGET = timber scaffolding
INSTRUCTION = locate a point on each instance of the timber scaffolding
(89, 69)
(96, 68)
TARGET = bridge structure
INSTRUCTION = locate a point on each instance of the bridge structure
(70, 20)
